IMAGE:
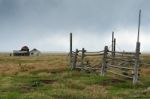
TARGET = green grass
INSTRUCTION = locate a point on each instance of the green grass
(67, 85)
(54, 80)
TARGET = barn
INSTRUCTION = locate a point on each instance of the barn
(23, 52)
(34, 52)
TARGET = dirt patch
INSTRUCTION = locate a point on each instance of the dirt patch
(38, 83)
(35, 84)
(111, 81)
(48, 81)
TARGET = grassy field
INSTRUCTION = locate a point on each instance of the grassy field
(48, 77)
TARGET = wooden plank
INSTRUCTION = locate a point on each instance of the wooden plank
(115, 66)
(93, 54)
(119, 74)
(123, 52)
(146, 64)
(118, 58)
(86, 68)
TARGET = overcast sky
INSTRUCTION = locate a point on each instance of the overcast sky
(46, 24)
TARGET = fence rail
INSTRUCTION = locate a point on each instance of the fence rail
(120, 67)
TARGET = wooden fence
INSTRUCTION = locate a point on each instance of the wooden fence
(124, 64)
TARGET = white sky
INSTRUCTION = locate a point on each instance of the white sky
(46, 24)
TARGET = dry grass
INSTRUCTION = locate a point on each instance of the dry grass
(14, 65)
(18, 75)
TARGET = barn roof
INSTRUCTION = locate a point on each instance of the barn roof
(34, 50)
(25, 48)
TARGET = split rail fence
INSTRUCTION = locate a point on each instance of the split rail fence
(124, 64)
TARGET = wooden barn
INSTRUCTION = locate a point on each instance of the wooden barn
(23, 52)
(34, 52)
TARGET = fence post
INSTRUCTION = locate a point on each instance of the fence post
(112, 44)
(137, 54)
(70, 50)
(114, 48)
(136, 65)
(75, 59)
(82, 58)
(104, 63)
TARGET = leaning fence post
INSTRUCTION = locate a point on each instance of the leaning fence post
(104, 63)
(75, 59)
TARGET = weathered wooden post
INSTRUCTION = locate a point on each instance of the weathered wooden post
(75, 59)
(82, 58)
(104, 63)
(70, 50)
(136, 65)
(137, 54)
(112, 48)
